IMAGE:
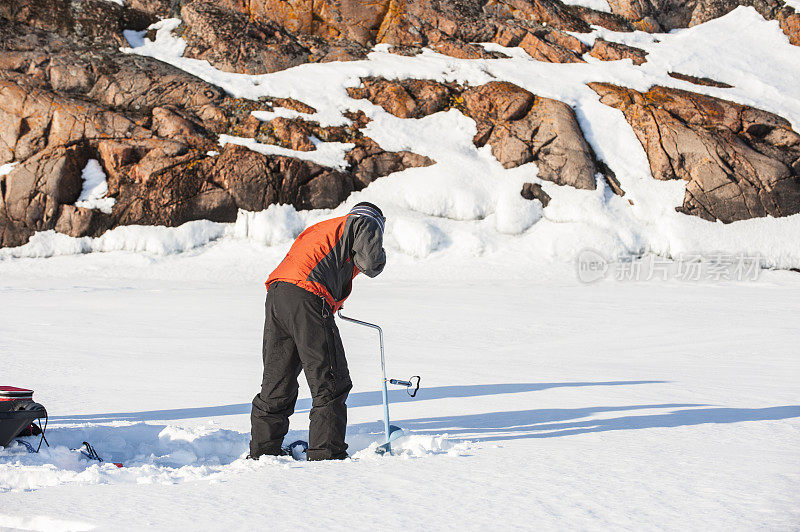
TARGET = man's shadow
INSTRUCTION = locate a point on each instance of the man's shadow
(359, 399)
(558, 422)
(493, 426)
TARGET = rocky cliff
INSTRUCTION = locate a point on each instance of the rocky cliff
(70, 92)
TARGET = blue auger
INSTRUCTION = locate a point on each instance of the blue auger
(392, 431)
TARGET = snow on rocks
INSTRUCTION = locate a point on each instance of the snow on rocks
(5, 169)
(597, 5)
(416, 237)
(330, 154)
(156, 240)
(95, 188)
(159, 240)
(283, 112)
(275, 225)
(755, 151)
(515, 214)
(467, 187)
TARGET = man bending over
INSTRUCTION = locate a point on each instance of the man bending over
(304, 291)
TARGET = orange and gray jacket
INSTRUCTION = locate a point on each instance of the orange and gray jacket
(327, 256)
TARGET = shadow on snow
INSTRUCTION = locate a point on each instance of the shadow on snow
(359, 399)
(550, 423)
(494, 426)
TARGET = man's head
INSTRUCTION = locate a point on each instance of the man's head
(370, 210)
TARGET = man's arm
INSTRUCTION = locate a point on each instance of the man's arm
(368, 254)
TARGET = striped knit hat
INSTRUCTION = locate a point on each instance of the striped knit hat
(372, 211)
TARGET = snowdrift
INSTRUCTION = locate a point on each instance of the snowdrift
(153, 453)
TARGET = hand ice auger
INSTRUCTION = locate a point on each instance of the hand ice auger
(392, 431)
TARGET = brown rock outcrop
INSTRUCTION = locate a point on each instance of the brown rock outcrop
(80, 221)
(611, 21)
(532, 191)
(706, 82)
(738, 162)
(32, 120)
(548, 12)
(519, 126)
(368, 161)
(552, 46)
(65, 100)
(256, 181)
(291, 134)
(497, 101)
(266, 35)
(355, 20)
(102, 76)
(533, 129)
(413, 98)
(231, 41)
(539, 27)
(92, 21)
(68, 95)
(614, 51)
(789, 20)
(421, 22)
(462, 50)
(35, 190)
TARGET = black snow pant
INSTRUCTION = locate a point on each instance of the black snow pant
(300, 333)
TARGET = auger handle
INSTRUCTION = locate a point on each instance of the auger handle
(416, 386)
(384, 392)
(408, 384)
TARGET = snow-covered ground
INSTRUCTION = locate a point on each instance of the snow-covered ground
(546, 403)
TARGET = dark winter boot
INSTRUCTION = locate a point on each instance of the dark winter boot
(282, 452)
(317, 458)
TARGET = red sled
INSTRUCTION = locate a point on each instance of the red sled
(18, 413)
